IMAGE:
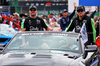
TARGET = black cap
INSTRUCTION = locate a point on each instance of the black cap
(32, 7)
(81, 7)
(23, 15)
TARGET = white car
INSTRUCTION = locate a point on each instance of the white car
(46, 49)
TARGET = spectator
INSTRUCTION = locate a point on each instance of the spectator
(4, 19)
(95, 18)
(1, 20)
(54, 25)
(43, 17)
(27, 14)
(59, 17)
(88, 13)
(97, 26)
(65, 20)
(9, 18)
(2, 13)
(23, 16)
(50, 17)
(16, 22)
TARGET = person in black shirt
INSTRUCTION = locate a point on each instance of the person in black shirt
(78, 22)
(33, 22)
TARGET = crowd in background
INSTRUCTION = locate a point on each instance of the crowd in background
(53, 22)
(15, 20)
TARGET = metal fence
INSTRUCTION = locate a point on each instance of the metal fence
(4, 8)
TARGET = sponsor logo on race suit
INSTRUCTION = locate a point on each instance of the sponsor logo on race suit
(29, 22)
(33, 28)
(38, 21)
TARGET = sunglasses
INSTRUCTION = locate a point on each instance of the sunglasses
(32, 9)
(79, 10)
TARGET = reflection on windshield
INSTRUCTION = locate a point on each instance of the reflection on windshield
(44, 42)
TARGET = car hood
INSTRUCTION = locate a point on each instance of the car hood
(7, 33)
(3, 36)
(39, 59)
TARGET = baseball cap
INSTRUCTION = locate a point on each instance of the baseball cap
(32, 7)
(64, 10)
(80, 7)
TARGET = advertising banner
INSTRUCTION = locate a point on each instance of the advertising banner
(89, 2)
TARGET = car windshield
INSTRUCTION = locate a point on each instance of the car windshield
(43, 41)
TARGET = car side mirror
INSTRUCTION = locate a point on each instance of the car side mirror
(89, 48)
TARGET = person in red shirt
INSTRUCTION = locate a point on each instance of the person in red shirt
(4, 18)
(16, 22)
(9, 18)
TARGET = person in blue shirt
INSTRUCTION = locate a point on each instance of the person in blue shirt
(66, 19)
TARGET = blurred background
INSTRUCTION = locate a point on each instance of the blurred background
(45, 7)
